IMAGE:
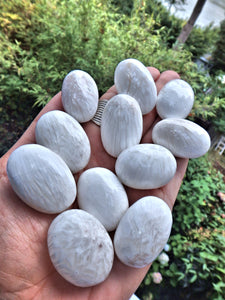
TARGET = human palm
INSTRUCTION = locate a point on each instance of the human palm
(26, 271)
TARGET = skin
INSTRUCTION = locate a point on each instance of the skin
(26, 271)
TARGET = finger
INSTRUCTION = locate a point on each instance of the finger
(152, 118)
(147, 119)
(109, 94)
(168, 192)
(154, 72)
(165, 77)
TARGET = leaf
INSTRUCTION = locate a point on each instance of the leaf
(147, 280)
(209, 256)
(221, 270)
(193, 278)
(218, 286)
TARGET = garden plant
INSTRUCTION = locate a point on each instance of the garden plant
(41, 41)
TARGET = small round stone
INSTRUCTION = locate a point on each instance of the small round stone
(175, 100)
(121, 124)
(145, 166)
(133, 78)
(143, 232)
(41, 178)
(62, 134)
(80, 95)
(80, 248)
(106, 198)
(182, 137)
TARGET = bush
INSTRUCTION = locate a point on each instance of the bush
(201, 41)
(197, 242)
(209, 103)
(218, 53)
(41, 41)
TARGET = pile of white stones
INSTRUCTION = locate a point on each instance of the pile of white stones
(41, 174)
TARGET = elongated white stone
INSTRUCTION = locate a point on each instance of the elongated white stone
(80, 248)
(101, 194)
(62, 134)
(41, 178)
(121, 124)
(175, 99)
(145, 166)
(183, 138)
(132, 77)
(143, 232)
(80, 95)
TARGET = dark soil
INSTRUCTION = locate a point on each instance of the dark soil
(12, 128)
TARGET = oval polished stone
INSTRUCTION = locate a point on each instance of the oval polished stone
(145, 166)
(133, 78)
(41, 178)
(80, 248)
(121, 124)
(80, 95)
(183, 138)
(62, 134)
(106, 198)
(143, 232)
(175, 99)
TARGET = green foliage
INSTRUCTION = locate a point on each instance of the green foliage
(218, 53)
(209, 98)
(201, 40)
(197, 240)
(41, 41)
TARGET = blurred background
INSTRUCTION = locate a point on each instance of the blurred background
(42, 40)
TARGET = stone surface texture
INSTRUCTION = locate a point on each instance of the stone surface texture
(41, 178)
(133, 78)
(175, 99)
(80, 248)
(80, 95)
(145, 166)
(121, 124)
(101, 194)
(183, 138)
(62, 134)
(143, 232)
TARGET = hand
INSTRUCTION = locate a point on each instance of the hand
(26, 271)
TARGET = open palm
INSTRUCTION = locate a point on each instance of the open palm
(26, 271)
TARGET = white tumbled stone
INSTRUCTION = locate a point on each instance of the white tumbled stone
(121, 124)
(80, 95)
(62, 134)
(175, 99)
(133, 78)
(80, 248)
(101, 194)
(145, 166)
(182, 137)
(41, 178)
(143, 232)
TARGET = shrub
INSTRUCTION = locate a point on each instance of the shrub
(209, 98)
(218, 53)
(197, 242)
(41, 41)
